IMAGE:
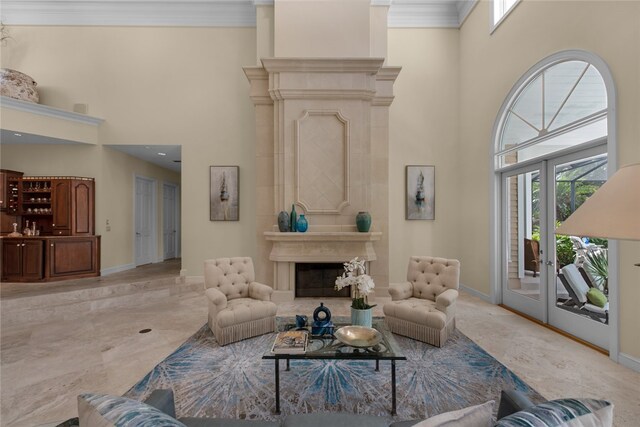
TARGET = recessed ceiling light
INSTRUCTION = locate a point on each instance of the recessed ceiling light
(17, 134)
(162, 154)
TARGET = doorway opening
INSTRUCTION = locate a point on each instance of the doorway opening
(145, 221)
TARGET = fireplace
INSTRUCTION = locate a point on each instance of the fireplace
(318, 279)
(322, 144)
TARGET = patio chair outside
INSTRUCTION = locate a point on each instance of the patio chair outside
(577, 284)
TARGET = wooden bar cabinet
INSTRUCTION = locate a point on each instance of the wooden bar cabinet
(61, 211)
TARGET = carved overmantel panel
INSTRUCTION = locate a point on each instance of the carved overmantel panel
(322, 162)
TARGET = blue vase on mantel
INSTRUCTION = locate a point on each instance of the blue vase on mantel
(303, 224)
(363, 221)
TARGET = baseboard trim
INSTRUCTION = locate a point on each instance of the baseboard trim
(629, 361)
(476, 293)
(116, 269)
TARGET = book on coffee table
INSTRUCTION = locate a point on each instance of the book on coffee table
(291, 342)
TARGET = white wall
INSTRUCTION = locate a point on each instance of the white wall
(423, 128)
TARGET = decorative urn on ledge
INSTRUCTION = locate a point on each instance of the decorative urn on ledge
(17, 85)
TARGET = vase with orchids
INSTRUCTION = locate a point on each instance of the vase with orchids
(361, 284)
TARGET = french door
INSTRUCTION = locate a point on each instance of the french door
(524, 231)
(535, 199)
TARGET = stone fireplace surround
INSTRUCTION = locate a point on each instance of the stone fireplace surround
(322, 143)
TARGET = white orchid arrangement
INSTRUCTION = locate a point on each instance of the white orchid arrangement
(355, 275)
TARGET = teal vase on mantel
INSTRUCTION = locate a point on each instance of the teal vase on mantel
(363, 221)
(293, 219)
(303, 224)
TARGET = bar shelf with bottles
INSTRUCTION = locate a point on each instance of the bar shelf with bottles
(36, 196)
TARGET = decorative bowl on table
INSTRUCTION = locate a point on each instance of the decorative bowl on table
(358, 336)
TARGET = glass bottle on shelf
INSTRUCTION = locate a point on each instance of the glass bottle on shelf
(27, 231)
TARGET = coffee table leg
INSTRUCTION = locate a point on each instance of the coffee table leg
(393, 387)
(377, 365)
(278, 387)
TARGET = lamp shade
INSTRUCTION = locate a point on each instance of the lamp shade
(612, 212)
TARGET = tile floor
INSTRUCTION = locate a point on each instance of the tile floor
(44, 367)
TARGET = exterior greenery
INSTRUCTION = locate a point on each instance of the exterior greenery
(597, 265)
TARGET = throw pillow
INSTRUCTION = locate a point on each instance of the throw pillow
(473, 416)
(563, 413)
(101, 410)
(597, 297)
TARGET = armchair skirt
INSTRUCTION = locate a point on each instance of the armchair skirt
(419, 319)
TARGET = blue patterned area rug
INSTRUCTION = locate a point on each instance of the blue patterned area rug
(234, 382)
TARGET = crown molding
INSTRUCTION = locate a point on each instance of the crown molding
(464, 10)
(423, 14)
(209, 13)
(189, 13)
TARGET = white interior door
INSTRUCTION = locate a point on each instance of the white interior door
(170, 221)
(144, 221)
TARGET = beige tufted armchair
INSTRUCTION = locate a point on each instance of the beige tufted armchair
(239, 307)
(423, 308)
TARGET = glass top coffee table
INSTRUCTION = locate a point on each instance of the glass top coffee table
(328, 347)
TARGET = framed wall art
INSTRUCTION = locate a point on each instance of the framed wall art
(420, 192)
(224, 194)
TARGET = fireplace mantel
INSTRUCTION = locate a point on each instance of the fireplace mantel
(322, 246)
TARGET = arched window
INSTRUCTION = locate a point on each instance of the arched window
(562, 105)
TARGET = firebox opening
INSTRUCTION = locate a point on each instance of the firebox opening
(318, 280)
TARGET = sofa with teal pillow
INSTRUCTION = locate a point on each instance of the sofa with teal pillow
(515, 409)
(563, 413)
